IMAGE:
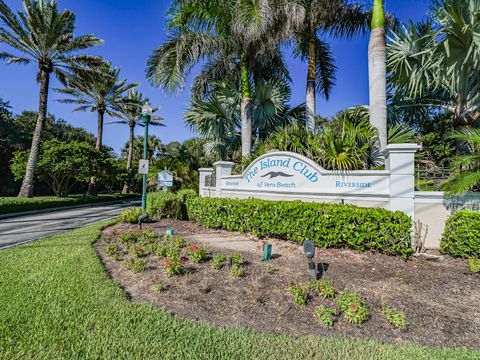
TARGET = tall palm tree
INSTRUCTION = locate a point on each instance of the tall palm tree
(308, 20)
(377, 73)
(436, 64)
(130, 109)
(43, 35)
(230, 35)
(99, 90)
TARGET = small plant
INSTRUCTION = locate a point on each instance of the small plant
(197, 253)
(114, 251)
(218, 261)
(324, 288)
(130, 237)
(237, 271)
(138, 250)
(269, 269)
(148, 236)
(176, 241)
(327, 315)
(161, 250)
(160, 287)
(135, 265)
(474, 265)
(353, 307)
(299, 293)
(174, 265)
(236, 259)
(130, 216)
(395, 317)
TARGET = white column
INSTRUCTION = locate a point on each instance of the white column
(203, 172)
(400, 161)
(222, 168)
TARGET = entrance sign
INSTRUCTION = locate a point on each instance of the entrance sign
(165, 178)
(284, 172)
(143, 167)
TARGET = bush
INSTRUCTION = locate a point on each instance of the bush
(474, 265)
(353, 307)
(169, 205)
(461, 237)
(328, 225)
(130, 216)
(218, 261)
(395, 317)
(135, 265)
(327, 315)
(299, 293)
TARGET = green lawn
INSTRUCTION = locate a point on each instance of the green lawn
(56, 301)
(10, 205)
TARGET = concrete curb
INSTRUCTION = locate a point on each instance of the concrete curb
(55, 209)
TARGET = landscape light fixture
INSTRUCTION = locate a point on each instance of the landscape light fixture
(141, 219)
(309, 251)
(147, 112)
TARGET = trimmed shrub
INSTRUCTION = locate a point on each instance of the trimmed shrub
(130, 216)
(169, 205)
(461, 237)
(328, 225)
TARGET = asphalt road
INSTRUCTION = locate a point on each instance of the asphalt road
(27, 228)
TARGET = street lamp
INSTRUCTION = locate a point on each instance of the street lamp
(147, 111)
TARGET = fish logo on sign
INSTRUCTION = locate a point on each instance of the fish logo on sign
(275, 174)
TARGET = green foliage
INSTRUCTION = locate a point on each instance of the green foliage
(130, 216)
(474, 265)
(160, 287)
(138, 250)
(237, 271)
(461, 235)
(135, 265)
(164, 205)
(328, 225)
(197, 253)
(324, 288)
(61, 164)
(327, 315)
(299, 293)
(174, 264)
(236, 259)
(218, 261)
(114, 251)
(10, 205)
(353, 307)
(130, 237)
(395, 317)
(73, 293)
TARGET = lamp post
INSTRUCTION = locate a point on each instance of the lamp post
(146, 116)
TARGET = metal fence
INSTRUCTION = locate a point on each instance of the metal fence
(430, 179)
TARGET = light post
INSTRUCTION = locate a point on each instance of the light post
(146, 116)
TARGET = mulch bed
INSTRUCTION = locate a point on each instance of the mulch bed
(440, 299)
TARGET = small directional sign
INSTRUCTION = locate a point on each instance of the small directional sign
(143, 167)
(165, 178)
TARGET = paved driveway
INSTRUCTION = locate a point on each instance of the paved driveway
(23, 229)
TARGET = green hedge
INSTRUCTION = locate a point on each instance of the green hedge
(328, 225)
(10, 205)
(169, 205)
(461, 237)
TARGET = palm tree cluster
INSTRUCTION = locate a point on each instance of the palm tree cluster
(44, 35)
(239, 45)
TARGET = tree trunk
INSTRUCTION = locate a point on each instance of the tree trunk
(26, 191)
(92, 187)
(311, 85)
(377, 58)
(246, 110)
(130, 154)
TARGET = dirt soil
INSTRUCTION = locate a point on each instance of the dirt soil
(441, 300)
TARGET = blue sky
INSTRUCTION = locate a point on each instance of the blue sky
(132, 28)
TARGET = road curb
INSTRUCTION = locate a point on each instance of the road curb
(55, 209)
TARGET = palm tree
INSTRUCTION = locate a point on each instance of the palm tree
(130, 109)
(230, 35)
(466, 168)
(43, 35)
(96, 89)
(310, 18)
(377, 72)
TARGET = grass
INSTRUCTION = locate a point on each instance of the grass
(10, 205)
(56, 301)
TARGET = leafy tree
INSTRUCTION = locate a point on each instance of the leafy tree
(466, 167)
(62, 165)
(154, 146)
(43, 35)
(377, 72)
(130, 109)
(231, 35)
(310, 19)
(435, 64)
(99, 90)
